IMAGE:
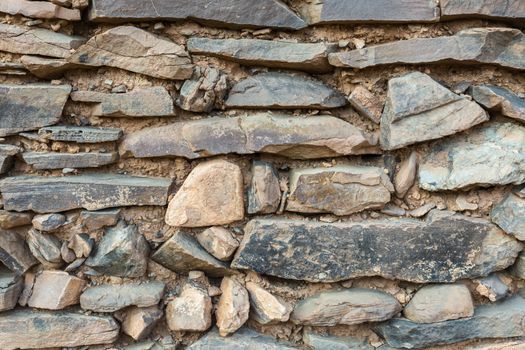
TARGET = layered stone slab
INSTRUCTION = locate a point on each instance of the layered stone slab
(294, 137)
(45, 67)
(501, 100)
(503, 47)
(92, 192)
(38, 9)
(267, 53)
(509, 214)
(80, 134)
(11, 286)
(322, 342)
(14, 252)
(54, 160)
(443, 248)
(12, 68)
(10, 219)
(513, 11)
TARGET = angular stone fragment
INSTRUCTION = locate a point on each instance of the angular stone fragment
(518, 269)
(219, 242)
(443, 248)
(243, 339)
(80, 134)
(204, 91)
(341, 190)
(147, 102)
(14, 252)
(12, 68)
(267, 53)
(122, 252)
(509, 214)
(94, 220)
(55, 290)
(290, 136)
(9, 219)
(264, 194)
(40, 104)
(420, 109)
(493, 287)
(29, 329)
(140, 321)
(38, 9)
(366, 104)
(135, 50)
(406, 175)
(212, 194)
(110, 298)
(513, 11)
(283, 91)
(55, 160)
(48, 222)
(499, 46)
(327, 342)
(11, 286)
(493, 154)
(67, 254)
(92, 192)
(499, 320)
(81, 244)
(45, 248)
(190, 311)
(47, 68)
(500, 100)
(233, 307)
(267, 308)
(226, 13)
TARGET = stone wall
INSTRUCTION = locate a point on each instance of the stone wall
(238, 174)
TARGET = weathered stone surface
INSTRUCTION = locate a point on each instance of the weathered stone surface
(147, 102)
(420, 109)
(500, 100)
(12, 68)
(37, 41)
(509, 214)
(7, 153)
(268, 53)
(341, 190)
(283, 91)
(45, 248)
(68, 255)
(518, 269)
(11, 286)
(14, 252)
(493, 154)
(81, 244)
(40, 104)
(30, 329)
(47, 68)
(264, 193)
(228, 13)
(422, 210)
(122, 252)
(513, 11)
(38, 9)
(55, 290)
(110, 298)
(265, 307)
(219, 242)
(91, 192)
(500, 320)
(243, 339)
(493, 287)
(326, 342)
(182, 253)
(294, 137)
(462, 247)
(205, 91)
(48, 222)
(135, 50)
(9, 219)
(366, 104)
(80, 134)
(190, 311)
(233, 307)
(499, 46)
(406, 175)
(140, 321)
(212, 194)
(94, 220)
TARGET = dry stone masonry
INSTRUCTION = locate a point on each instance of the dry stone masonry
(262, 174)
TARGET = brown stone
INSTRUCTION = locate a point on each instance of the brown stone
(48, 222)
(55, 290)
(38, 9)
(219, 242)
(140, 321)
(366, 104)
(499, 100)
(205, 91)
(264, 194)
(11, 285)
(190, 311)
(233, 307)
(47, 68)
(14, 252)
(94, 220)
(10, 219)
(81, 244)
(512, 11)
(406, 175)
(267, 308)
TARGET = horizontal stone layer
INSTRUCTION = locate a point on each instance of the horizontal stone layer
(243, 339)
(44, 10)
(53, 160)
(513, 11)
(80, 134)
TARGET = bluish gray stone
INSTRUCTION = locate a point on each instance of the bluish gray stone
(500, 100)
(505, 10)
(243, 339)
(509, 214)
(318, 341)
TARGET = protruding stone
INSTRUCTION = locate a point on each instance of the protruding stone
(80, 134)
(55, 290)
(518, 269)
(12, 68)
(45, 67)
(14, 252)
(190, 311)
(48, 222)
(45, 248)
(498, 99)
(67, 254)
(9, 219)
(38, 9)
(509, 214)
(205, 91)
(326, 342)
(233, 307)
(135, 50)
(406, 175)
(243, 339)
(267, 308)
(219, 242)
(11, 286)
(493, 287)
(94, 220)
(512, 11)
(81, 244)
(140, 321)
(366, 104)
(264, 194)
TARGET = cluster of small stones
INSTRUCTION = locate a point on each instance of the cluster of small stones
(291, 227)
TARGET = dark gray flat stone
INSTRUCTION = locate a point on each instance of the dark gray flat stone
(512, 11)
(243, 339)
(329, 342)
(54, 160)
(80, 134)
(14, 252)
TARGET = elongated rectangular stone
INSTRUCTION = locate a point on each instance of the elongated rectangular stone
(45, 67)
(38, 9)
(243, 339)
(507, 10)
(80, 134)
(443, 248)
(92, 192)
(54, 160)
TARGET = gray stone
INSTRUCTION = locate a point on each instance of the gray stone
(94, 220)
(326, 342)
(12, 68)
(406, 175)
(493, 287)
(35, 9)
(500, 100)
(14, 252)
(499, 320)
(47, 68)
(11, 286)
(225, 13)
(268, 53)
(55, 160)
(205, 91)
(264, 193)
(422, 210)
(140, 321)
(9, 219)
(509, 214)
(55, 290)
(48, 222)
(492, 154)
(518, 269)
(243, 339)
(443, 248)
(283, 91)
(92, 192)
(341, 190)
(40, 104)
(6, 163)
(366, 104)
(80, 134)
(110, 298)
(291, 136)
(121, 252)
(46, 248)
(420, 109)
(499, 46)
(513, 11)
(219, 242)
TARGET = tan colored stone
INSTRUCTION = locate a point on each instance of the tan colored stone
(366, 104)
(204, 91)
(81, 244)
(47, 68)
(191, 311)
(140, 321)
(38, 9)
(29, 281)
(233, 308)
(219, 242)
(10, 219)
(48, 222)
(11, 285)
(264, 194)
(267, 308)
(406, 175)
(56, 290)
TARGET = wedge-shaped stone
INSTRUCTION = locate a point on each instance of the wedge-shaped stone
(147, 102)
(283, 91)
(233, 307)
(55, 290)
(140, 321)
(325, 342)
(509, 214)
(37, 41)
(513, 10)
(294, 137)
(29, 107)
(443, 248)
(45, 248)
(499, 46)
(499, 320)
(267, 53)
(38, 9)
(54, 160)
(92, 192)
(219, 242)
(45, 67)
(264, 194)
(29, 329)
(500, 100)
(267, 308)
(14, 252)
(225, 13)
(11, 286)
(9, 219)
(493, 154)
(420, 109)
(341, 190)
(135, 50)
(80, 134)
(243, 339)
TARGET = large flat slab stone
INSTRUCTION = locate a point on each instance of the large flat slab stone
(92, 192)
(80, 134)
(36, 9)
(55, 160)
(499, 100)
(243, 339)
(443, 248)
(513, 11)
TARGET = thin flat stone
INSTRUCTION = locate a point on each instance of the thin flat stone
(12, 68)
(498, 99)
(47, 68)
(9, 219)
(94, 220)
(80, 134)
(509, 214)
(512, 11)
(38, 9)
(14, 252)
(243, 339)
(54, 160)
(328, 342)
(462, 247)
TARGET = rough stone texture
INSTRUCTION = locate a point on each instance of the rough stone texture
(366, 104)
(264, 193)
(205, 91)
(233, 307)
(219, 242)
(212, 194)
(518, 269)
(145, 102)
(500, 320)
(420, 109)
(55, 290)
(14, 252)
(28, 329)
(94, 220)
(268, 53)
(462, 247)
(509, 214)
(80, 134)
(499, 46)
(11, 286)
(406, 175)
(135, 50)
(110, 298)
(493, 287)
(81, 244)
(228, 13)
(45, 67)
(48, 222)
(191, 311)
(341, 190)
(290, 136)
(11, 68)
(140, 321)
(277, 90)
(45, 248)
(326, 342)
(493, 154)
(38, 9)
(513, 11)
(92, 192)
(500, 100)
(265, 307)
(9, 219)
(40, 104)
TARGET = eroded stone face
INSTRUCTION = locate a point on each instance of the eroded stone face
(509, 214)
(205, 91)
(267, 308)
(14, 252)
(191, 311)
(233, 307)
(55, 290)
(513, 11)
(323, 342)
(11, 286)
(219, 242)
(140, 321)
(80, 134)
(264, 194)
(45, 10)
(498, 99)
